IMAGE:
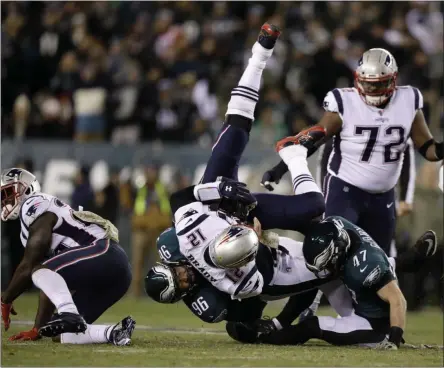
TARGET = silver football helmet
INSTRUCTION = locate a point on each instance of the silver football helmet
(234, 247)
(17, 185)
(375, 76)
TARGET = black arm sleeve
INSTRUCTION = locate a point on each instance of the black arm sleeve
(406, 178)
(182, 198)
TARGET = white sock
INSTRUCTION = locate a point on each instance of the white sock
(295, 157)
(245, 96)
(55, 288)
(94, 334)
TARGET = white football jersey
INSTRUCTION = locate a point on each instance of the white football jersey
(291, 277)
(72, 229)
(196, 228)
(369, 150)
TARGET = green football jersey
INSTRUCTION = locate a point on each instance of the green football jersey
(367, 270)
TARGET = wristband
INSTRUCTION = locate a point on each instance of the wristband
(395, 335)
(208, 192)
(423, 149)
(439, 148)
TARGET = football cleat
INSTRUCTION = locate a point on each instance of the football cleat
(265, 325)
(310, 138)
(426, 245)
(242, 332)
(268, 35)
(121, 333)
(64, 322)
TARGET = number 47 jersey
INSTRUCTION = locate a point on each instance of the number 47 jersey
(369, 150)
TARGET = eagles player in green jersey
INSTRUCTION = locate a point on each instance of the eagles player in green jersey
(336, 247)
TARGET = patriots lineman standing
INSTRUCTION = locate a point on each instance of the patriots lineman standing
(371, 125)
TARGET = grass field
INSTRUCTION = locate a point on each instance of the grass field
(170, 336)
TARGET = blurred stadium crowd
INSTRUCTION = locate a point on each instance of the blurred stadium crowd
(125, 72)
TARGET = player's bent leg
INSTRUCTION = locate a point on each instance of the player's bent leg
(67, 318)
(233, 137)
(288, 212)
(119, 334)
(100, 271)
(351, 330)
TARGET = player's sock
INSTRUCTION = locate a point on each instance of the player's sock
(245, 96)
(295, 156)
(94, 334)
(55, 288)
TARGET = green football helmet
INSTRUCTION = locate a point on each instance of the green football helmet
(163, 282)
(170, 280)
(325, 247)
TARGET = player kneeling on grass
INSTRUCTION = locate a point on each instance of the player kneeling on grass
(66, 251)
(337, 247)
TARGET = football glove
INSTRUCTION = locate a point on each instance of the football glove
(236, 191)
(7, 310)
(274, 175)
(30, 335)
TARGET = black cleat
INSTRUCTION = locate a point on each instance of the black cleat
(268, 36)
(265, 325)
(242, 332)
(63, 323)
(426, 245)
(121, 333)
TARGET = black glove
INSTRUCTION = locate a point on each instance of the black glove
(395, 335)
(236, 191)
(274, 175)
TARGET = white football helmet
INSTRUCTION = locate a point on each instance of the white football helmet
(375, 76)
(17, 185)
(234, 247)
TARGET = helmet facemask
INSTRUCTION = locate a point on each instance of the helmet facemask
(12, 196)
(375, 91)
(179, 280)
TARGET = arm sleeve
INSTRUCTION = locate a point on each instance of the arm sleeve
(408, 174)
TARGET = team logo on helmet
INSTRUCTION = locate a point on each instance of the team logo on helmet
(324, 258)
(234, 233)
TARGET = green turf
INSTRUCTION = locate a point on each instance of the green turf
(209, 347)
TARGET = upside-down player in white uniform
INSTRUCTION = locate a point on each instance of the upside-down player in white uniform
(65, 251)
(213, 219)
(371, 125)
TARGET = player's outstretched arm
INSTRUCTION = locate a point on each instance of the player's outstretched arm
(37, 246)
(392, 294)
(423, 139)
